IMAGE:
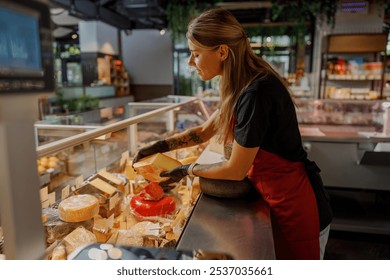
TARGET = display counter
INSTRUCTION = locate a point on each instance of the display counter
(348, 141)
(69, 166)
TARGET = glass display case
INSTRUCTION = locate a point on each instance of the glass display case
(358, 115)
(67, 166)
(349, 141)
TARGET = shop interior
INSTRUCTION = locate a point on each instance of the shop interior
(111, 76)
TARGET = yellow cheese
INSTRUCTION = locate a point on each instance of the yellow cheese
(128, 238)
(150, 167)
(59, 253)
(78, 237)
(78, 208)
(109, 177)
(103, 186)
(188, 160)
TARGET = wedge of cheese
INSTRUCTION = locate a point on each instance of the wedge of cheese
(103, 186)
(188, 160)
(78, 237)
(78, 208)
(150, 167)
(110, 178)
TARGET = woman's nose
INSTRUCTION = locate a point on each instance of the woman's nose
(190, 61)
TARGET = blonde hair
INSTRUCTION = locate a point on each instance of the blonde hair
(213, 28)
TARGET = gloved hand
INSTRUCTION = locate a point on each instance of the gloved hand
(175, 175)
(158, 147)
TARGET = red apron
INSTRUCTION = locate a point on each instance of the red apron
(286, 188)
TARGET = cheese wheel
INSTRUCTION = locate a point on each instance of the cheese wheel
(78, 208)
(148, 208)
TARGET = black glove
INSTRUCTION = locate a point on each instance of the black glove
(175, 175)
(158, 147)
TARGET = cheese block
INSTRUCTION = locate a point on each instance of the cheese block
(188, 160)
(80, 236)
(78, 208)
(108, 177)
(59, 253)
(103, 186)
(150, 167)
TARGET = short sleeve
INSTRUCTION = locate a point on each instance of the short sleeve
(252, 119)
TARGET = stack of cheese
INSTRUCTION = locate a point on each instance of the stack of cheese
(75, 209)
(107, 188)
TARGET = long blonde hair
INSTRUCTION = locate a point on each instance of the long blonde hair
(216, 27)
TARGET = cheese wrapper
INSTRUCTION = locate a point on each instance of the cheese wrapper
(151, 167)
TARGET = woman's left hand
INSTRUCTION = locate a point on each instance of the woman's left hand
(174, 175)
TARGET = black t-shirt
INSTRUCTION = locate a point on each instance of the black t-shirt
(266, 118)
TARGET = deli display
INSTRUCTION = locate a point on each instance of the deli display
(91, 194)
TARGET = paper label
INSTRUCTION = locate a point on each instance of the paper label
(65, 192)
(79, 181)
(113, 201)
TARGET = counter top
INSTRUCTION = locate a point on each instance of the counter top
(326, 133)
(240, 228)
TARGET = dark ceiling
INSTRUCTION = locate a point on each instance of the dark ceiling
(141, 14)
(137, 14)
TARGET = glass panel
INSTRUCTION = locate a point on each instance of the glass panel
(74, 170)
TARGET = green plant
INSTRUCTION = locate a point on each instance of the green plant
(302, 11)
(180, 12)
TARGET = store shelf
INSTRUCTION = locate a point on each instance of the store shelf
(353, 62)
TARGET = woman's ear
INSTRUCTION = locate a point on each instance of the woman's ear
(223, 51)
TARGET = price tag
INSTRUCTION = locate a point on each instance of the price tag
(113, 201)
(52, 198)
(44, 194)
(65, 192)
(124, 157)
(79, 181)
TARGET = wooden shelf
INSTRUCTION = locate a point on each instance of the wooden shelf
(346, 46)
(355, 43)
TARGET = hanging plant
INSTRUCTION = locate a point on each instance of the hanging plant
(302, 11)
(180, 12)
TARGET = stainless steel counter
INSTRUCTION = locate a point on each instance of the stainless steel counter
(238, 227)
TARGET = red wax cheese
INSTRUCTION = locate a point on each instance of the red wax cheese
(152, 191)
(148, 208)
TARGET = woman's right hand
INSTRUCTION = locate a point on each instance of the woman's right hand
(158, 147)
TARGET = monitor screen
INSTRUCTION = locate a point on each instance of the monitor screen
(20, 50)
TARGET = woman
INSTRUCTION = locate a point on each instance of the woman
(257, 115)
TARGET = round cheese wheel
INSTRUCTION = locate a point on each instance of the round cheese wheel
(148, 208)
(78, 208)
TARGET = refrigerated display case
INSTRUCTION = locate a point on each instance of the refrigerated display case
(67, 167)
(351, 144)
